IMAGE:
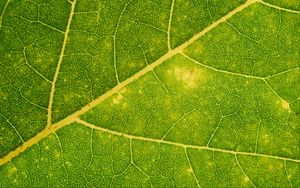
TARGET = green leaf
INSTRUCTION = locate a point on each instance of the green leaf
(149, 93)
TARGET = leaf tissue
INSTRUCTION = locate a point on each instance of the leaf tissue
(149, 93)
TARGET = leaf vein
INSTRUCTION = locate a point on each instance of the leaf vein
(49, 118)
(279, 8)
(169, 25)
(237, 161)
(120, 134)
(114, 38)
(2, 14)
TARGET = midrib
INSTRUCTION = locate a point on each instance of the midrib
(73, 117)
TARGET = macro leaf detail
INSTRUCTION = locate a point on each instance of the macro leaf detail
(149, 93)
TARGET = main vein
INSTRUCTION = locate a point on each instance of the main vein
(49, 119)
(73, 117)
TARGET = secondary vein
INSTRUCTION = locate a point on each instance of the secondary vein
(49, 119)
(170, 23)
(181, 144)
(114, 37)
(2, 14)
(279, 8)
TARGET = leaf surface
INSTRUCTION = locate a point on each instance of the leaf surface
(149, 93)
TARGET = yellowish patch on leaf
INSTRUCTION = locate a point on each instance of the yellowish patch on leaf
(167, 102)
(124, 90)
(246, 179)
(189, 170)
(285, 105)
(175, 116)
(132, 64)
(271, 167)
(108, 45)
(287, 150)
(198, 47)
(125, 105)
(117, 99)
(266, 139)
(189, 77)
(12, 170)
(68, 163)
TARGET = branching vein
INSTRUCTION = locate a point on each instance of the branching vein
(49, 120)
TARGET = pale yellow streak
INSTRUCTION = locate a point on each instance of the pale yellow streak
(279, 8)
(169, 26)
(49, 119)
(179, 144)
(2, 14)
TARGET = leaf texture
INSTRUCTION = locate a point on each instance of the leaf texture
(149, 93)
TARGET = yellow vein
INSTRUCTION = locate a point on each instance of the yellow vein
(279, 8)
(287, 174)
(71, 118)
(283, 72)
(192, 169)
(237, 161)
(219, 70)
(59, 64)
(114, 37)
(180, 144)
(2, 14)
(273, 90)
(31, 67)
(264, 79)
(14, 128)
(170, 23)
(49, 26)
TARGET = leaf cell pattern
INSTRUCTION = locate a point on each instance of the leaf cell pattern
(149, 93)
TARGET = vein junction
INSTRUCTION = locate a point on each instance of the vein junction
(74, 117)
(59, 64)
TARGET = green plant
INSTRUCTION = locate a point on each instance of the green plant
(147, 93)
